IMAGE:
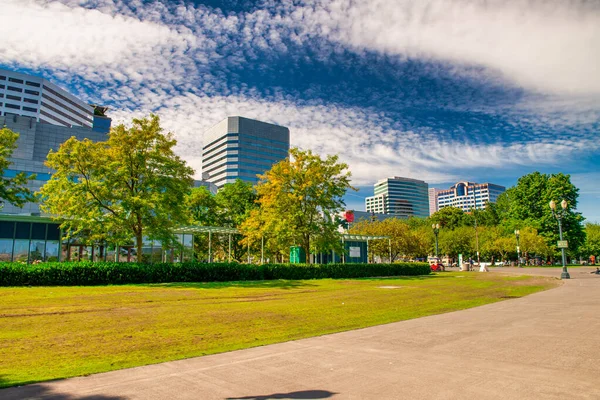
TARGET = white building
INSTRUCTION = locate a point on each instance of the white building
(242, 148)
(35, 97)
(469, 195)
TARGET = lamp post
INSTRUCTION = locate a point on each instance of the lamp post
(559, 214)
(518, 248)
(436, 231)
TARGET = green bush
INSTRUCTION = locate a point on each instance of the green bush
(105, 273)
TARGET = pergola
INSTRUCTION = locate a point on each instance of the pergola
(219, 230)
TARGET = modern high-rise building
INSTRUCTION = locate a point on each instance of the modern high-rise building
(242, 148)
(402, 197)
(433, 200)
(36, 139)
(469, 195)
(38, 98)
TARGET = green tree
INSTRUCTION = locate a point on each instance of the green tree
(202, 207)
(526, 204)
(458, 241)
(11, 189)
(132, 185)
(451, 218)
(297, 198)
(591, 247)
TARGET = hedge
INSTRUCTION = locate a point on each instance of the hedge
(106, 273)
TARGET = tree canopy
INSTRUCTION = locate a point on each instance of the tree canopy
(12, 190)
(132, 185)
(527, 204)
(297, 198)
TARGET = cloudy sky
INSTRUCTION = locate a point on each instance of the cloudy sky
(449, 90)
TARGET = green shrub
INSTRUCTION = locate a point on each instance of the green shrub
(105, 273)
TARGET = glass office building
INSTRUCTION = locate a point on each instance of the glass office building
(401, 197)
(36, 139)
(242, 148)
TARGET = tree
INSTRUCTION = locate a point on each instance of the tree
(11, 189)
(297, 198)
(591, 247)
(458, 241)
(451, 218)
(526, 204)
(132, 185)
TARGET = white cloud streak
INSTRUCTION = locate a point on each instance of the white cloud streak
(159, 55)
(371, 151)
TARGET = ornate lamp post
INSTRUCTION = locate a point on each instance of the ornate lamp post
(436, 231)
(518, 248)
(559, 214)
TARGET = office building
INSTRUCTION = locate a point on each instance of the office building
(38, 98)
(401, 197)
(433, 200)
(242, 148)
(36, 139)
(469, 195)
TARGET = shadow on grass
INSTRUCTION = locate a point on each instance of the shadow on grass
(274, 284)
(41, 390)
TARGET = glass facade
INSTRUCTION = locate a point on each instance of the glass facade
(402, 197)
(242, 148)
(29, 240)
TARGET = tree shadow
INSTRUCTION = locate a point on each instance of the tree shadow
(303, 394)
(270, 284)
(441, 275)
(43, 391)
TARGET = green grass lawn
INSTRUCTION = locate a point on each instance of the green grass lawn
(57, 332)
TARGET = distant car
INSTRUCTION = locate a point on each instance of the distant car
(437, 267)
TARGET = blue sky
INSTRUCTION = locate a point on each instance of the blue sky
(442, 91)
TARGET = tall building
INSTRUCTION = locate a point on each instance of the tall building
(241, 148)
(433, 200)
(38, 98)
(469, 195)
(402, 197)
(36, 139)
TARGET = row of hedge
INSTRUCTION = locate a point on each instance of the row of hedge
(106, 273)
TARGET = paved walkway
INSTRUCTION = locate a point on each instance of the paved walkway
(543, 346)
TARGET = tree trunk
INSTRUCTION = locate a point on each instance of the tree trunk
(138, 244)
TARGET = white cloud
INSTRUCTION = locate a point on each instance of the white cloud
(362, 139)
(91, 43)
(548, 46)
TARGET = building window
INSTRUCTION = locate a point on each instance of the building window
(14, 106)
(32, 84)
(32, 101)
(30, 109)
(33, 92)
(15, 89)
(2, 78)
(15, 80)
(11, 97)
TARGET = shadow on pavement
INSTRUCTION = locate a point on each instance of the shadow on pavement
(41, 391)
(304, 394)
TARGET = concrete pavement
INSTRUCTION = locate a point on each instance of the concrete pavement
(543, 346)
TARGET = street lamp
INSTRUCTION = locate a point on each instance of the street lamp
(436, 231)
(559, 214)
(518, 248)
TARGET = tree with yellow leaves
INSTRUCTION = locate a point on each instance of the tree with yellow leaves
(297, 198)
(131, 186)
